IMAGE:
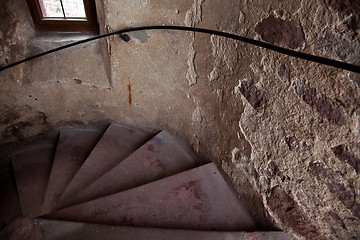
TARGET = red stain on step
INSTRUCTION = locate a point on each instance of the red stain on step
(158, 164)
(193, 187)
(150, 148)
(141, 199)
(100, 212)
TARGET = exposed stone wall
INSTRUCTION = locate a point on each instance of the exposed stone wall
(286, 132)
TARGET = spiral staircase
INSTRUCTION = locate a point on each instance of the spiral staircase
(120, 184)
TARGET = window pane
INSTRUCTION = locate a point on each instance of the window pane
(74, 8)
(51, 8)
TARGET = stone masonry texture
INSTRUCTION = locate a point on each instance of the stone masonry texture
(285, 132)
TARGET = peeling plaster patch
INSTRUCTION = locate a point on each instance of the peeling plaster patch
(237, 88)
(341, 47)
(243, 131)
(194, 15)
(287, 33)
(224, 52)
(241, 17)
(285, 116)
(215, 74)
(338, 46)
(191, 75)
(196, 116)
(220, 94)
(244, 163)
(192, 18)
(140, 36)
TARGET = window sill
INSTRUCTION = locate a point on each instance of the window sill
(62, 37)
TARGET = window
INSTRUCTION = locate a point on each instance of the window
(64, 15)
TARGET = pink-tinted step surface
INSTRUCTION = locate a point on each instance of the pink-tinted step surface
(196, 199)
(117, 143)
(71, 151)
(160, 157)
(9, 199)
(41, 229)
(32, 170)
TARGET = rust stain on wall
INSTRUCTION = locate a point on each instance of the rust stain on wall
(129, 89)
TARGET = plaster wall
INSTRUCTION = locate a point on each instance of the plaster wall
(285, 132)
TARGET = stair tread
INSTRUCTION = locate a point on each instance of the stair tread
(117, 143)
(10, 207)
(195, 199)
(32, 170)
(72, 149)
(160, 157)
(59, 230)
(62, 230)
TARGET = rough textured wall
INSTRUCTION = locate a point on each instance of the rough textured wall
(285, 131)
(40, 94)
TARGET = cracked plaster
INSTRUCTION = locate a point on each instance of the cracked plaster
(188, 84)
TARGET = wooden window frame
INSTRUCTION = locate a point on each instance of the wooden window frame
(61, 25)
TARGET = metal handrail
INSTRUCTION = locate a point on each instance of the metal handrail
(125, 37)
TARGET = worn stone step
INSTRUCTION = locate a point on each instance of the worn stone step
(161, 156)
(196, 199)
(73, 147)
(41, 229)
(10, 207)
(32, 170)
(117, 143)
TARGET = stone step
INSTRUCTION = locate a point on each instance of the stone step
(10, 207)
(41, 229)
(197, 199)
(73, 147)
(62, 230)
(117, 143)
(32, 170)
(160, 157)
